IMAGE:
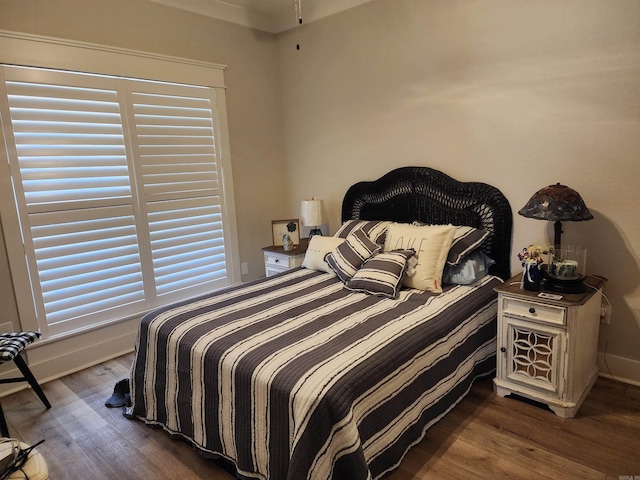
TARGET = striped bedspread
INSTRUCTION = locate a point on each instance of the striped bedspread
(294, 377)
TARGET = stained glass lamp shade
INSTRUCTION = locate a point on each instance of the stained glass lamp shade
(557, 203)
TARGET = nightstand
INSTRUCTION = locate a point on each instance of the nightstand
(547, 348)
(276, 260)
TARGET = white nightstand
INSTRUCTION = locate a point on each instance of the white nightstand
(276, 260)
(547, 349)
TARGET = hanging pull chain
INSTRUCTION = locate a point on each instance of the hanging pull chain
(298, 12)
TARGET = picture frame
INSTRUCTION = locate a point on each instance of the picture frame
(280, 227)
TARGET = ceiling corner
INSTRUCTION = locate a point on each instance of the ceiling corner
(273, 16)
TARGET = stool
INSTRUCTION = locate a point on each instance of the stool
(11, 344)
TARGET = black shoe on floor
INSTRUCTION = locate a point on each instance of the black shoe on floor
(121, 396)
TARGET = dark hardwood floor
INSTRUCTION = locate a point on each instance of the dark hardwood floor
(484, 437)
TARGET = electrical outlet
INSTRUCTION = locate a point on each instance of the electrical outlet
(6, 327)
(244, 268)
(605, 313)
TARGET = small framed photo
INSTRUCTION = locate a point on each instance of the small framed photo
(290, 226)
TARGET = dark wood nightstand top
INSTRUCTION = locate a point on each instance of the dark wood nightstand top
(297, 249)
(594, 283)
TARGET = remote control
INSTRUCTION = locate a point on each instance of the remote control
(550, 296)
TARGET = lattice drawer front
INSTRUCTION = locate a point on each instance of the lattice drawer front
(533, 354)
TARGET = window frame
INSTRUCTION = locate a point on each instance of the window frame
(46, 52)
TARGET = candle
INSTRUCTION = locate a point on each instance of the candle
(566, 269)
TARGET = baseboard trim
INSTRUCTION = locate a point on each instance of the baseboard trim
(622, 369)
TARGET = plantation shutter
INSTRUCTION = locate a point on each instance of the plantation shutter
(118, 191)
(180, 184)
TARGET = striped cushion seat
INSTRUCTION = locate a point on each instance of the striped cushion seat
(11, 344)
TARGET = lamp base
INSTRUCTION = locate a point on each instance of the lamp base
(315, 231)
(575, 285)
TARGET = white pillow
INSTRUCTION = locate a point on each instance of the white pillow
(431, 244)
(318, 248)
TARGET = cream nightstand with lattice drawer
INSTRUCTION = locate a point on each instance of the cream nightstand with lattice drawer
(547, 348)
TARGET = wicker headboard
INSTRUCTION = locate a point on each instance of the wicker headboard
(420, 193)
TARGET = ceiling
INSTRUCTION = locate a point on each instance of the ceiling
(272, 16)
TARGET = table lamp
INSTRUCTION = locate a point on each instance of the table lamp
(559, 203)
(311, 215)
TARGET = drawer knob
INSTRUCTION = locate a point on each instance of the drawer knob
(532, 310)
(503, 349)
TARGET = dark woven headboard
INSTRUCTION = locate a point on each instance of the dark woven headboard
(419, 193)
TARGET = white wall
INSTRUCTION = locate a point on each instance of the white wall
(515, 93)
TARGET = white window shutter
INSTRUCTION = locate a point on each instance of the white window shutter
(119, 192)
(77, 197)
(180, 185)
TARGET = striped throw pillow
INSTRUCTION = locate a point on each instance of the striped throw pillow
(376, 230)
(465, 240)
(381, 274)
(345, 259)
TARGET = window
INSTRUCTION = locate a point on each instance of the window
(119, 192)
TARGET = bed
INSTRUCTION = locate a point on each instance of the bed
(307, 375)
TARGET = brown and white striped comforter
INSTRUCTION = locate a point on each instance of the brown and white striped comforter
(294, 377)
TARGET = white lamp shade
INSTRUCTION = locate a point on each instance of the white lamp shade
(311, 212)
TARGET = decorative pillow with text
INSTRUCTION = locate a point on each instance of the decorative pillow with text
(431, 244)
(465, 240)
